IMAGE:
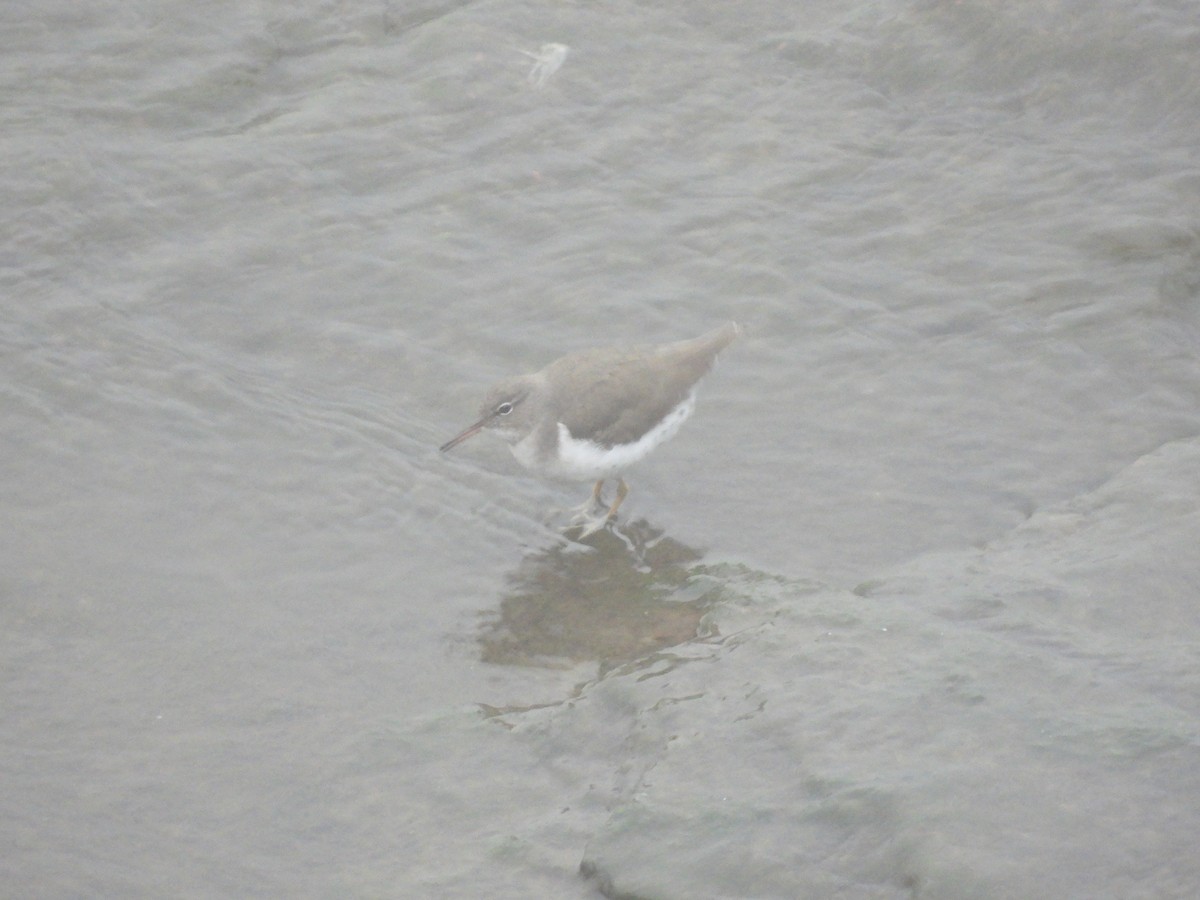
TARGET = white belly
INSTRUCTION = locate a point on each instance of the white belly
(583, 460)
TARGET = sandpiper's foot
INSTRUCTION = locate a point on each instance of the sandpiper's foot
(588, 517)
(588, 524)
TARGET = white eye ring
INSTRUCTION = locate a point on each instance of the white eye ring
(504, 408)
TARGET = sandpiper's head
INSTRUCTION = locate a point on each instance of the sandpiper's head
(505, 412)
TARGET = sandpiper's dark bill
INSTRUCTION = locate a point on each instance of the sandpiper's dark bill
(590, 415)
(458, 439)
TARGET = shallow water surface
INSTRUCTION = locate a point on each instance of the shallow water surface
(906, 608)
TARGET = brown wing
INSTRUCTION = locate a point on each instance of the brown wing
(619, 395)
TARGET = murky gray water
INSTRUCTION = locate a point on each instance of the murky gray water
(909, 608)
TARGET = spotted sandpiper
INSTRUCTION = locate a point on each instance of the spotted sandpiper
(590, 415)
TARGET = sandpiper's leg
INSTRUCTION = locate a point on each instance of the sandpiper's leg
(583, 512)
(622, 492)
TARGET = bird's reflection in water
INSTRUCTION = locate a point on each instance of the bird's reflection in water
(617, 597)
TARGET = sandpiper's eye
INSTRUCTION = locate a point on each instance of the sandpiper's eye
(504, 408)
